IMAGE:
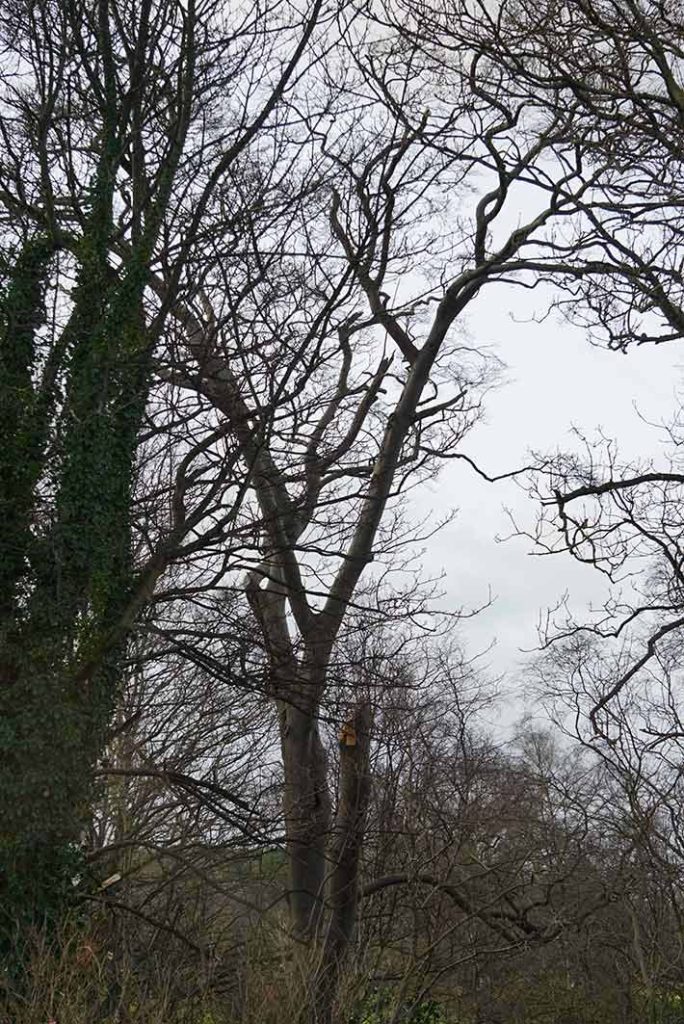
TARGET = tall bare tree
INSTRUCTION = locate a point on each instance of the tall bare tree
(338, 373)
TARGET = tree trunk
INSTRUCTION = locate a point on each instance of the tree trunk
(344, 860)
(307, 810)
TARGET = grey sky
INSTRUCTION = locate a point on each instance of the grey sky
(557, 379)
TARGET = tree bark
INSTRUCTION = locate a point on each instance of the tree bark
(307, 810)
(345, 856)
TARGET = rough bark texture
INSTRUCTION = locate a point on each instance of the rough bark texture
(344, 860)
(307, 809)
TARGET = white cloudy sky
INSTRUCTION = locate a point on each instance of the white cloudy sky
(557, 380)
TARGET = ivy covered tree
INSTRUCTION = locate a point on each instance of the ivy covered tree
(114, 146)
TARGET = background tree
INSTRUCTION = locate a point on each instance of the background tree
(617, 68)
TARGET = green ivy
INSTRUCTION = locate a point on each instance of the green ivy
(22, 428)
(60, 671)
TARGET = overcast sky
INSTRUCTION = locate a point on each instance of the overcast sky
(557, 379)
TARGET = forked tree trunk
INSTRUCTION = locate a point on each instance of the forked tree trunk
(324, 856)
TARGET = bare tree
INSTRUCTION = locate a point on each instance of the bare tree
(617, 68)
(344, 321)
